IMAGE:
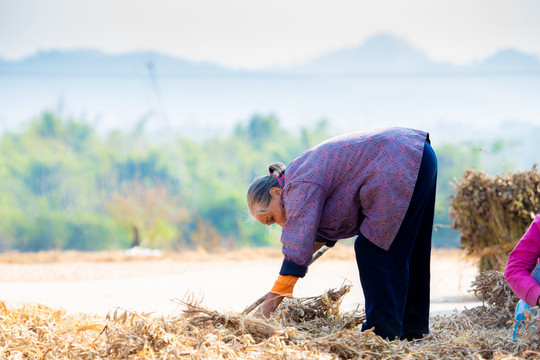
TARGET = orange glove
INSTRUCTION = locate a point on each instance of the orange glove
(284, 285)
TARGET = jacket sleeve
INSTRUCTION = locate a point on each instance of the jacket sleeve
(522, 261)
(304, 202)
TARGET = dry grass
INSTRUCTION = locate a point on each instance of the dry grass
(307, 328)
(342, 252)
(46, 257)
(493, 212)
(338, 252)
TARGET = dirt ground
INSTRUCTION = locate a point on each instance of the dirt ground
(228, 281)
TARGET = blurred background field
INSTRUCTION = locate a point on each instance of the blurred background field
(65, 187)
(108, 146)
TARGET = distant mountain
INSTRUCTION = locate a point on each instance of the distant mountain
(507, 61)
(380, 55)
(385, 54)
(92, 63)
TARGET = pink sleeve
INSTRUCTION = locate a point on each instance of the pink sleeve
(522, 261)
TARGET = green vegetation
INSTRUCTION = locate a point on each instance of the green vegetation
(64, 187)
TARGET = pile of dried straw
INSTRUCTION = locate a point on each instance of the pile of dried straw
(306, 328)
(492, 213)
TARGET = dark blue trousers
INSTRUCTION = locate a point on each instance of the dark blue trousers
(396, 282)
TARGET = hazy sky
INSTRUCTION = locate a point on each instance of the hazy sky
(253, 33)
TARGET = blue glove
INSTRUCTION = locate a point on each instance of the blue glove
(522, 305)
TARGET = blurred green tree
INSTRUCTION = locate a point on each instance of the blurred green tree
(150, 213)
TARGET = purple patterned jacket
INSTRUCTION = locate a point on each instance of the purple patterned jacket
(358, 182)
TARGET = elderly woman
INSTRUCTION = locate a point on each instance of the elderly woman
(376, 185)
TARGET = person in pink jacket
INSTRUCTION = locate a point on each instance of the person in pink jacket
(521, 263)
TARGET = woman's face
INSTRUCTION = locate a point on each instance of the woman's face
(274, 213)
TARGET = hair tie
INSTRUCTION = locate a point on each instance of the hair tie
(278, 179)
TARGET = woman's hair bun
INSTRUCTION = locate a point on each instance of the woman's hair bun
(277, 168)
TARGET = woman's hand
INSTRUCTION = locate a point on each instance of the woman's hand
(270, 304)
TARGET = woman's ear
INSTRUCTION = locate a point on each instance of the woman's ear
(275, 192)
